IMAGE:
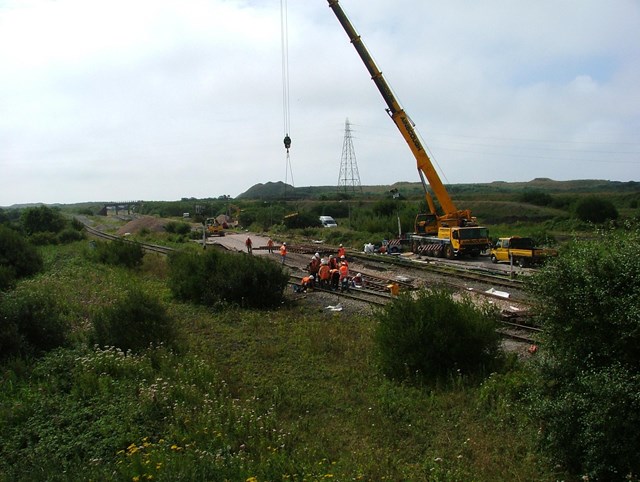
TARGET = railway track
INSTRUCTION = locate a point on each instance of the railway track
(375, 289)
(153, 248)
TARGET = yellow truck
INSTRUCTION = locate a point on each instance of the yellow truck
(520, 251)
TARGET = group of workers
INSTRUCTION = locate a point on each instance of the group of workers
(330, 273)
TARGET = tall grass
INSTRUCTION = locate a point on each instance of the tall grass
(292, 394)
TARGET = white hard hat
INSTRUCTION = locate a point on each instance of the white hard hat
(311, 276)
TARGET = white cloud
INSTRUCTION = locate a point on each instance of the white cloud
(164, 99)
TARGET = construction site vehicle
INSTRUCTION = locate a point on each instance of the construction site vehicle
(461, 234)
(214, 228)
(520, 251)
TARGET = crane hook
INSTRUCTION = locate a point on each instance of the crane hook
(287, 142)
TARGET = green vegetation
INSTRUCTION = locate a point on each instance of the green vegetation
(134, 322)
(596, 210)
(588, 398)
(171, 369)
(213, 278)
(18, 258)
(432, 337)
(289, 393)
(118, 253)
(32, 322)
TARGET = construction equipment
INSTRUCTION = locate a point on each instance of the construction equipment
(455, 232)
(213, 227)
(520, 251)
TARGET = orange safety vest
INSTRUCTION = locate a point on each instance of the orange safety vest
(323, 272)
(283, 250)
(341, 252)
(344, 271)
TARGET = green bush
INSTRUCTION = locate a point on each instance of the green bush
(213, 277)
(31, 322)
(589, 397)
(596, 210)
(69, 235)
(119, 253)
(538, 198)
(177, 227)
(431, 336)
(43, 238)
(42, 219)
(302, 220)
(134, 322)
(17, 258)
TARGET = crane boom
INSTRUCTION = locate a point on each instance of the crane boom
(452, 216)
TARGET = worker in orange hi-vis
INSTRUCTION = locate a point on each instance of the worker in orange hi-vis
(283, 252)
(341, 251)
(249, 244)
(343, 259)
(344, 276)
(324, 272)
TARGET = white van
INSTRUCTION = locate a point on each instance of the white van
(328, 222)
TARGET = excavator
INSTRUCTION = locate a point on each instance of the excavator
(455, 232)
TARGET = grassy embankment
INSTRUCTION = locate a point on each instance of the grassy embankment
(292, 394)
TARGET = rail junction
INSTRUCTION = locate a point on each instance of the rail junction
(407, 274)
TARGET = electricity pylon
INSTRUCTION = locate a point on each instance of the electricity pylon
(349, 178)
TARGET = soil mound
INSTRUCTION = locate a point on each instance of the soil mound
(150, 223)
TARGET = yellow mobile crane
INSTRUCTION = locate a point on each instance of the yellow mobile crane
(453, 233)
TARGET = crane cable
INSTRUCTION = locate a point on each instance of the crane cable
(284, 35)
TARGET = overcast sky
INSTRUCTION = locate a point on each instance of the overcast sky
(158, 100)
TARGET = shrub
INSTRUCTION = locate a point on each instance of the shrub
(43, 238)
(69, 235)
(538, 198)
(42, 219)
(432, 336)
(213, 277)
(177, 227)
(31, 322)
(17, 257)
(119, 253)
(596, 210)
(589, 399)
(301, 220)
(134, 322)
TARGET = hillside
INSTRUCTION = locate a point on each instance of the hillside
(278, 190)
